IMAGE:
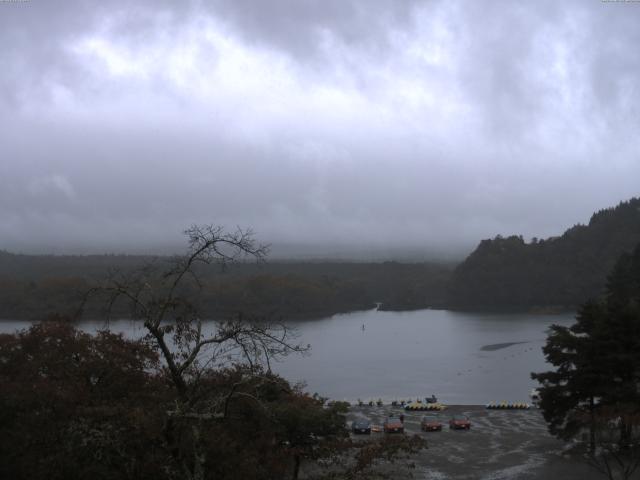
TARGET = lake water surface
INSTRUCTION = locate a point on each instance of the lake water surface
(462, 358)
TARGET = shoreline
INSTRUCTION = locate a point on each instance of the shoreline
(332, 313)
(501, 444)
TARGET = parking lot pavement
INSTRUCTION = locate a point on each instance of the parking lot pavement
(501, 444)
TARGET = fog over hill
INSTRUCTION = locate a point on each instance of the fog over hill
(340, 127)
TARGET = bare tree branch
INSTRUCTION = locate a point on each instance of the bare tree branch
(157, 297)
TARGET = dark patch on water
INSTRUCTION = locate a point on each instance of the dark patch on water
(499, 346)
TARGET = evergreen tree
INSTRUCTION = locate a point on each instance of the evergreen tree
(568, 394)
(597, 364)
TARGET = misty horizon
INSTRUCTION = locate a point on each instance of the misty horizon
(276, 252)
(332, 129)
(283, 251)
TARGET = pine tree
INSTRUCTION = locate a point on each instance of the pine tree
(597, 362)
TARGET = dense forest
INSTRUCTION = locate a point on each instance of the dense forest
(33, 286)
(556, 273)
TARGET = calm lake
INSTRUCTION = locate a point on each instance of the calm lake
(462, 358)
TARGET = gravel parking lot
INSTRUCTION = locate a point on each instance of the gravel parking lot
(502, 444)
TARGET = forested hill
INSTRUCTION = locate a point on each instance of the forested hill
(34, 286)
(559, 272)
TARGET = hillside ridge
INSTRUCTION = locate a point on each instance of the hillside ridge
(553, 273)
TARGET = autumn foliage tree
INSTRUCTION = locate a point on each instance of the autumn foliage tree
(75, 405)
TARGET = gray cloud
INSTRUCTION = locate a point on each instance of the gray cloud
(377, 124)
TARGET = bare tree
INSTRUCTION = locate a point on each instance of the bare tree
(164, 296)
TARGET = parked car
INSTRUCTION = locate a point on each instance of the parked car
(460, 422)
(431, 423)
(361, 426)
(393, 425)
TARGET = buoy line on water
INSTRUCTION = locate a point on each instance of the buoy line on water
(429, 403)
(423, 407)
(508, 406)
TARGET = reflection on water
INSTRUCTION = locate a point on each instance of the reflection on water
(498, 346)
(462, 358)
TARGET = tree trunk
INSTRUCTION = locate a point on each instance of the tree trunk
(199, 456)
(625, 434)
(592, 427)
(296, 466)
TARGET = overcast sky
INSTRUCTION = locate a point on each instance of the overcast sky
(333, 124)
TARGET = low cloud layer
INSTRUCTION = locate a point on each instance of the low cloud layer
(331, 124)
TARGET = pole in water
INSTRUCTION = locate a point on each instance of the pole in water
(363, 327)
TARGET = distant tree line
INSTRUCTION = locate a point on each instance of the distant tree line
(560, 272)
(33, 286)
